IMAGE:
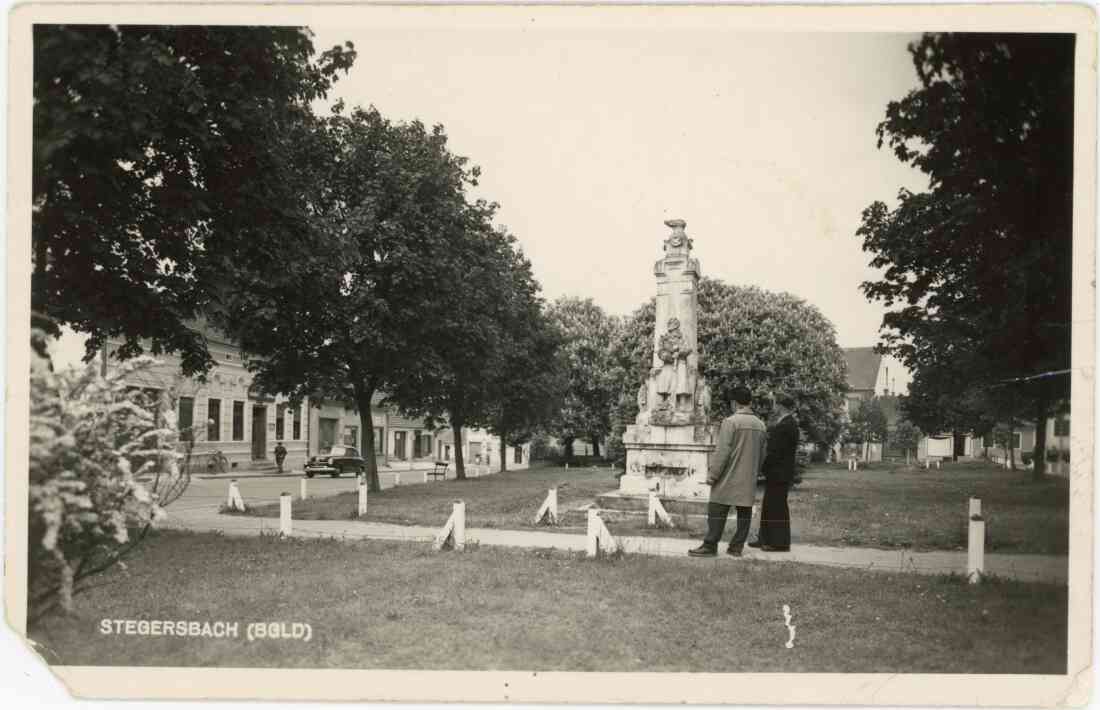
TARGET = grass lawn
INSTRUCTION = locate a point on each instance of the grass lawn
(886, 506)
(399, 606)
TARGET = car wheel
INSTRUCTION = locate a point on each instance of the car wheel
(309, 474)
(336, 473)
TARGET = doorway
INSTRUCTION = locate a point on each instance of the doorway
(259, 432)
(326, 435)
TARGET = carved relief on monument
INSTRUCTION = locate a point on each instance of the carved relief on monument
(675, 387)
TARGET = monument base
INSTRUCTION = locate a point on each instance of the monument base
(669, 460)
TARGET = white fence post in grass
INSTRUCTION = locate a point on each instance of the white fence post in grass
(975, 508)
(549, 508)
(362, 496)
(425, 476)
(658, 512)
(599, 537)
(975, 554)
(284, 514)
(454, 530)
(303, 493)
(234, 500)
(396, 479)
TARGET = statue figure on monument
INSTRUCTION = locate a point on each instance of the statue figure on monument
(674, 386)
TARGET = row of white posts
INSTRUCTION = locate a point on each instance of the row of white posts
(599, 538)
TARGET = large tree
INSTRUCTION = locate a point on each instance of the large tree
(978, 267)
(487, 357)
(160, 169)
(591, 389)
(768, 342)
(381, 262)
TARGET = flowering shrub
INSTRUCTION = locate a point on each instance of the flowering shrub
(91, 439)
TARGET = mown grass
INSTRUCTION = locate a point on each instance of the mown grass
(399, 606)
(884, 506)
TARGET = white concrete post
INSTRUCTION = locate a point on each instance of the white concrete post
(362, 497)
(975, 508)
(651, 514)
(454, 529)
(396, 479)
(235, 501)
(975, 554)
(425, 477)
(284, 514)
(302, 492)
(460, 525)
(592, 544)
(549, 508)
(566, 465)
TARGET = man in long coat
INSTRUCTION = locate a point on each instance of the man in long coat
(731, 473)
(779, 465)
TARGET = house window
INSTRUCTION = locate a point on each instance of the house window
(187, 418)
(238, 421)
(399, 444)
(1015, 439)
(518, 458)
(351, 436)
(297, 423)
(280, 421)
(214, 420)
(422, 445)
(378, 439)
(1061, 427)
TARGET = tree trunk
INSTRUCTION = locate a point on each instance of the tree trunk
(567, 444)
(503, 449)
(595, 446)
(460, 469)
(1042, 408)
(1011, 450)
(363, 395)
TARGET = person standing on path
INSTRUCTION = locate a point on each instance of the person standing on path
(280, 455)
(779, 464)
(731, 474)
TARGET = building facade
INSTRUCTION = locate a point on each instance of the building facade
(224, 421)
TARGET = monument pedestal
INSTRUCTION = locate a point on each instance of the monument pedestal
(669, 460)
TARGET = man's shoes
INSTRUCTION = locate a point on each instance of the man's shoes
(704, 550)
(756, 543)
(735, 550)
(773, 548)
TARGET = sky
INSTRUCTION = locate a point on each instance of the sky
(764, 142)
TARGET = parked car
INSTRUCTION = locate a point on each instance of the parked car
(336, 460)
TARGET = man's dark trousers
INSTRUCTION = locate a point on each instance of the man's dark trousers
(716, 523)
(775, 515)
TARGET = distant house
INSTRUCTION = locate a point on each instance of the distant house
(873, 376)
(226, 415)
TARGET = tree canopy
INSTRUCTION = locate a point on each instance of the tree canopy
(591, 389)
(160, 169)
(768, 342)
(977, 269)
(384, 258)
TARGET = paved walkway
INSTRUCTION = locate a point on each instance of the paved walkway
(1044, 568)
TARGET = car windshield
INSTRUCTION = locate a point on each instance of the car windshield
(334, 451)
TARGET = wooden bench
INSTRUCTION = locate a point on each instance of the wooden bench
(440, 470)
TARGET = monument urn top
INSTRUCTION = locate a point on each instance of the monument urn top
(678, 242)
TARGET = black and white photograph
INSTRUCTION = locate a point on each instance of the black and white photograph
(641, 354)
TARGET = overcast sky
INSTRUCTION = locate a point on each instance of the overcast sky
(763, 142)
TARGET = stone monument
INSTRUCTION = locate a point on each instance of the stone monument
(667, 446)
